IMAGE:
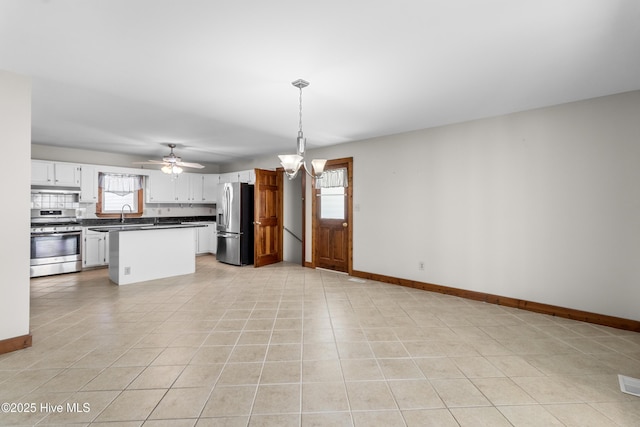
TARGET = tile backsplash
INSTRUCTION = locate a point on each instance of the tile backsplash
(54, 201)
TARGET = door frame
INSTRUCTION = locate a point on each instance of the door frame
(349, 162)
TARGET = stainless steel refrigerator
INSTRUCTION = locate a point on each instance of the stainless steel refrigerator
(235, 223)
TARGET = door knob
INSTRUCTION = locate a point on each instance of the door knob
(344, 224)
(257, 223)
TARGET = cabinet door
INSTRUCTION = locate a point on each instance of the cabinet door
(229, 177)
(248, 176)
(206, 238)
(88, 184)
(160, 188)
(196, 188)
(93, 253)
(182, 186)
(41, 173)
(67, 174)
(210, 188)
(105, 241)
(201, 240)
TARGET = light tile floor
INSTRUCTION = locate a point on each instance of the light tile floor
(289, 346)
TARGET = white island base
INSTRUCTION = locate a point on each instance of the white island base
(148, 254)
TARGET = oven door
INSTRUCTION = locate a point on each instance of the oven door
(54, 253)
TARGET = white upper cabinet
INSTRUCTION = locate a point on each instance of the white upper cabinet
(224, 178)
(160, 188)
(186, 188)
(182, 188)
(55, 174)
(89, 184)
(196, 187)
(248, 176)
(210, 188)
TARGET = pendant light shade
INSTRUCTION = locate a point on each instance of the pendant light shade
(318, 166)
(291, 163)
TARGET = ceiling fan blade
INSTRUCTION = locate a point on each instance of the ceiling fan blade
(190, 165)
(170, 160)
(150, 162)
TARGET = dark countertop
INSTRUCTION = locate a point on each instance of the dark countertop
(142, 227)
(96, 222)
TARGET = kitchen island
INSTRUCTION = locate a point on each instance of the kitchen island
(148, 252)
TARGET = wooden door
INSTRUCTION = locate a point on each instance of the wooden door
(267, 217)
(333, 229)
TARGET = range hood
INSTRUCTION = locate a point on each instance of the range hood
(43, 189)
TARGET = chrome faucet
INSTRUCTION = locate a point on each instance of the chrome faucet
(122, 211)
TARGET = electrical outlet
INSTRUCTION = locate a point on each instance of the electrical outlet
(127, 271)
(421, 265)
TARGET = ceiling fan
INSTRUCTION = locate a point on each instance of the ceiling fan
(171, 163)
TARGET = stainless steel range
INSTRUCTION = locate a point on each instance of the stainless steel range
(56, 242)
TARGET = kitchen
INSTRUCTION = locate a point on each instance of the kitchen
(66, 214)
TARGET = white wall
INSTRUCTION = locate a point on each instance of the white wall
(541, 205)
(292, 206)
(15, 140)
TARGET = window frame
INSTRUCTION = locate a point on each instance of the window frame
(135, 214)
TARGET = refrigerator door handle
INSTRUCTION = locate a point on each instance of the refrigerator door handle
(229, 236)
(228, 205)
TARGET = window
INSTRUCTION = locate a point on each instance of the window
(332, 193)
(118, 193)
(332, 203)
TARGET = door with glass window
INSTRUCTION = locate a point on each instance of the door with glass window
(333, 213)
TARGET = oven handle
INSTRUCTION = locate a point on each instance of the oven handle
(61, 233)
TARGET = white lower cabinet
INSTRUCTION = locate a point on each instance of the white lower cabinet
(95, 245)
(95, 249)
(206, 238)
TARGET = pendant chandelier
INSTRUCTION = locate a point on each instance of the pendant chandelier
(293, 162)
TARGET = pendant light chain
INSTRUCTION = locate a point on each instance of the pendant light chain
(300, 122)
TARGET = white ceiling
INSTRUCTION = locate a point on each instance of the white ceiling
(128, 76)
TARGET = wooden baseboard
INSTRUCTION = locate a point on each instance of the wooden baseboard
(16, 343)
(552, 310)
(309, 264)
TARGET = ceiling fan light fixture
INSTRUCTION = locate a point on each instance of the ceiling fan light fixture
(171, 169)
(293, 162)
(171, 164)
